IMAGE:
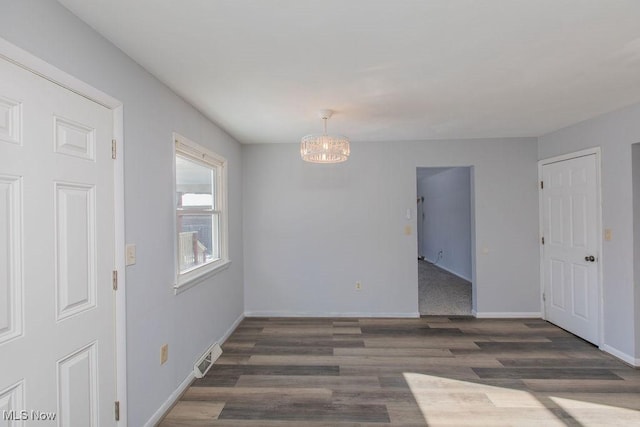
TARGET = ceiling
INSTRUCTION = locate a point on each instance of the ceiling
(392, 70)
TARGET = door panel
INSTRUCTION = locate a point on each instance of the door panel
(11, 308)
(77, 382)
(569, 213)
(57, 324)
(580, 291)
(555, 284)
(75, 251)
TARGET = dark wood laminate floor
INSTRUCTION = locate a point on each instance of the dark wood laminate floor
(435, 371)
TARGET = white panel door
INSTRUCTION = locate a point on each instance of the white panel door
(57, 339)
(570, 251)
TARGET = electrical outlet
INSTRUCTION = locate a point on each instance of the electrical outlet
(164, 354)
(358, 286)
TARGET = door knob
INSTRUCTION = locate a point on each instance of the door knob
(590, 258)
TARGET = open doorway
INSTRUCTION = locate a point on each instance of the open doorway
(445, 222)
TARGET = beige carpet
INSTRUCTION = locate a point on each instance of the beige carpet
(442, 293)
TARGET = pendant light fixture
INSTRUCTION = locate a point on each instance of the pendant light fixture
(324, 148)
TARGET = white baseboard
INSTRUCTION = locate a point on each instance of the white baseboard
(327, 314)
(452, 272)
(481, 315)
(448, 270)
(155, 418)
(507, 314)
(166, 406)
(232, 328)
(621, 355)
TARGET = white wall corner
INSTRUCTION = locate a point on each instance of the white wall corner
(231, 329)
(173, 398)
(166, 406)
(635, 362)
(507, 315)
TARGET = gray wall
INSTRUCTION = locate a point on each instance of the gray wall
(188, 322)
(614, 133)
(635, 164)
(311, 231)
(447, 219)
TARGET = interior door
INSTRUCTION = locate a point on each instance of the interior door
(570, 251)
(57, 324)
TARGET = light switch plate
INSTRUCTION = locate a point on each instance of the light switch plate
(608, 234)
(130, 254)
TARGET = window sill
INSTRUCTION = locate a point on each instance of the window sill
(195, 277)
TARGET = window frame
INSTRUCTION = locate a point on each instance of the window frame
(192, 151)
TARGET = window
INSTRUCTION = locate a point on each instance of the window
(201, 215)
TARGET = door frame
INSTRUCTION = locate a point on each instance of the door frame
(472, 214)
(32, 63)
(582, 153)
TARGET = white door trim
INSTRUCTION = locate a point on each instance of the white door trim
(587, 152)
(36, 65)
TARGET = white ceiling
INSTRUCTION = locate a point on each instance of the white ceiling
(391, 69)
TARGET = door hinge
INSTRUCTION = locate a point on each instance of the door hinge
(113, 149)
(114, 279)
(541, 185)
(116, 408)
(543, 240)
(544, 297)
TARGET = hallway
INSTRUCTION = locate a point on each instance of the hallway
(442, 293)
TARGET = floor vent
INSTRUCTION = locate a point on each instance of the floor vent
(207, 360)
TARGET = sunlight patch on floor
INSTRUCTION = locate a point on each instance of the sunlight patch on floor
(597, 414)
(445, 401)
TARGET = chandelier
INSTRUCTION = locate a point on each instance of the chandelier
(324, 148)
